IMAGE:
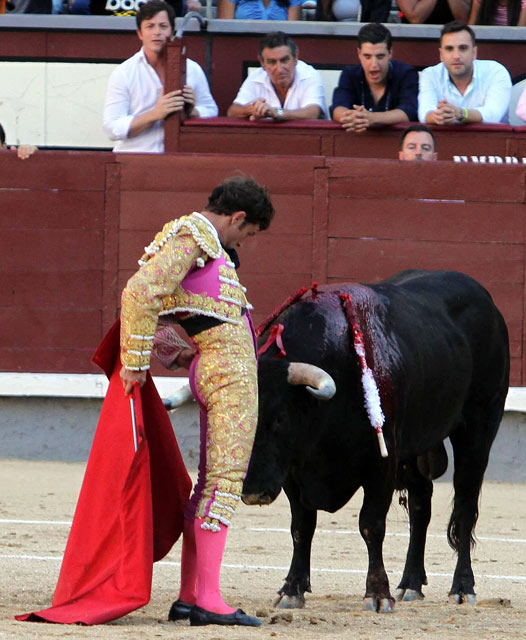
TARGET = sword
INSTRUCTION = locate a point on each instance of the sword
(134, 424)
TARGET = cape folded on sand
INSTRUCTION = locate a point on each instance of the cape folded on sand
(130, 509)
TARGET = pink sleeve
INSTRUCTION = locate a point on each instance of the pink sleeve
(521, 106)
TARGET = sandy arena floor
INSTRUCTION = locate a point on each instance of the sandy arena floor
(37, 500)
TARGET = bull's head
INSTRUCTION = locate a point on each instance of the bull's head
(282, 403)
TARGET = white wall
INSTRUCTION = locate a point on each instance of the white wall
(54, 103)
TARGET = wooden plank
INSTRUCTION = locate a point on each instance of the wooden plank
(64, 170)
(437, 221)
(319, 225)
(407, 180)
(24, 209)
(267, 142)
(150, 210)
(189, 173)
(374, 260)
(108, 47)
(53, 360)
(110, 296)
(61, 289)
(49, 328)
(175, 78)
(39, 250)
(22, 44)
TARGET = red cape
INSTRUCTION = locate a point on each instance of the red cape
(130, 508)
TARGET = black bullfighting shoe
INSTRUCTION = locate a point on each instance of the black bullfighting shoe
(179, 611)
(201, 617)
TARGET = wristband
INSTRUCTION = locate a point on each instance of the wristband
(465, 115)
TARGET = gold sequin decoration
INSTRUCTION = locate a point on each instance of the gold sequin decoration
(226, 378)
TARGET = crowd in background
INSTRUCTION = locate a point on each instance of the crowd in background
(474, 12)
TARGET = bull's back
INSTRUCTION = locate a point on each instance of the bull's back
(454, 346)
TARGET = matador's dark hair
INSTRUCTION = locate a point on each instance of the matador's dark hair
(240, 193)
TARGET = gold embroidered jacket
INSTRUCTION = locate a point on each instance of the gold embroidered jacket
(185, 271)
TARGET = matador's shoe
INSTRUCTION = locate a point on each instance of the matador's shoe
(179, 611)
(201, 617)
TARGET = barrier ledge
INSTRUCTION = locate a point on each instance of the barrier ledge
(223, 121)
(71, 385)
(51, 22)
(87, 385)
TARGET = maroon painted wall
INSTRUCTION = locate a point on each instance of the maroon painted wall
(213, 135)
(74, 224)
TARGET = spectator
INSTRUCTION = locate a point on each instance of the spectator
(259, 9)
(375, 10)
(23, 151)
(462, 89)
(417, 143)
(135, 110)
(508, 12)
(379, 90)
(338, 10)
(433, 11)
(520, 111)
(284, 88)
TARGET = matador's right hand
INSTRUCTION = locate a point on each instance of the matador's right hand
(129, 377)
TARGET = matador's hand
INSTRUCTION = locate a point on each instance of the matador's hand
(129, 377)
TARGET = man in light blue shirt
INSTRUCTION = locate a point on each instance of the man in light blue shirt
(462, 89)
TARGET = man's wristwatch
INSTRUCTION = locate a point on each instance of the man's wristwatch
(279, 114)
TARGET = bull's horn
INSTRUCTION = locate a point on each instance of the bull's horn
(180, 397)
(319, 382)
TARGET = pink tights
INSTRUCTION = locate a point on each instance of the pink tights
(201, 566)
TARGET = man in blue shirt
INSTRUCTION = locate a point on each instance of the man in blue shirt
(379, 90)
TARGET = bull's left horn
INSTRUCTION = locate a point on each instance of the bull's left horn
(319, 382)
(180, 397)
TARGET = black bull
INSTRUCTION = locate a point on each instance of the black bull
(438, 347)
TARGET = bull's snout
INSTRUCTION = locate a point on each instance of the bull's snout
(257, 498)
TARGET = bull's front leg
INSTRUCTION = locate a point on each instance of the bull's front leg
(372, 527)
(303, 524)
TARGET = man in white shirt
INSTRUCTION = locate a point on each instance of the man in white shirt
(135, 107)
(284, 88)
(462, 89)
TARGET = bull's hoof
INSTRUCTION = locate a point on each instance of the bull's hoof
(462, 598)
(288, 602)
(378, 605)
(408, 595)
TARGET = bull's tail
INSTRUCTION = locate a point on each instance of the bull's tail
(454, 534)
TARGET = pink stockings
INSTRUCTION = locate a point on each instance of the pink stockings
(201, 566)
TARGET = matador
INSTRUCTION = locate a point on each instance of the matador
(188, 277)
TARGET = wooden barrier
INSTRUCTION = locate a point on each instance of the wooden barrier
(217, 135)
(74, 225)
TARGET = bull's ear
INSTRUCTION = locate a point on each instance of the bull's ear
(319, 383)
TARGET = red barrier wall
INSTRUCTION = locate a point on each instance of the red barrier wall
(212, 135)
(74, 224)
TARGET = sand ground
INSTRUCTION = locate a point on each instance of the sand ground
(37, 500)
